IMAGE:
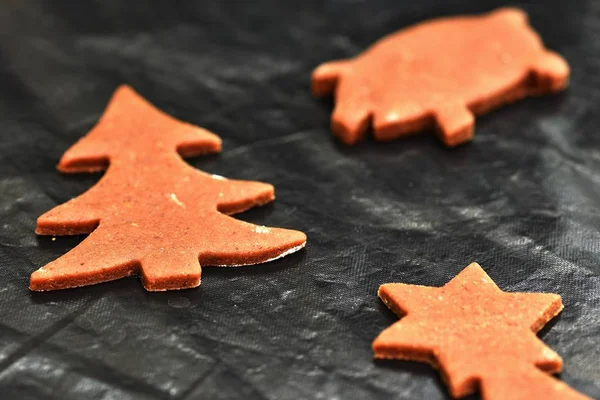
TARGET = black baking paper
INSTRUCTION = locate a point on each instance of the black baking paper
(523, 199)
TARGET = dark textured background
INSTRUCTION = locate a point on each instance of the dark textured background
(523, 199)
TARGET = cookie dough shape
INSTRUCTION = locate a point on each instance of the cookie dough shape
(439, 73)
(477, 335)
(151, 213)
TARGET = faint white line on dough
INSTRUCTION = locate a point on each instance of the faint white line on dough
(176, 200)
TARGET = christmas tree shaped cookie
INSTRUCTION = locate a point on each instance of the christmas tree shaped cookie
(151, 213)
(439, 73)
(477, 335)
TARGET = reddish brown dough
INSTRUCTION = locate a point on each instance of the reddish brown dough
(151, 213)
(477, 335)
(439, 73)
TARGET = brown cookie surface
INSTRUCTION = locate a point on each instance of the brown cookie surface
(439, 73)
(477, 335)
(151, 213)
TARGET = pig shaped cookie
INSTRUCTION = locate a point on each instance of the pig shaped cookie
(439, 74)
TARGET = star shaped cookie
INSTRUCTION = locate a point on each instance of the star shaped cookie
(478, 336)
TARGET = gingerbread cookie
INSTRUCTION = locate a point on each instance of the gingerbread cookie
(477, 335)
(151, 213)
(439, 73)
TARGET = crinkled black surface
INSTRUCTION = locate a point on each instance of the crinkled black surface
(523, 200)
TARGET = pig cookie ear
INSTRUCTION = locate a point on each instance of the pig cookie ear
(550, 73)
(513, 14)
(325, 77)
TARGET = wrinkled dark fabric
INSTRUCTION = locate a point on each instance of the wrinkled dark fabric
(523, 200)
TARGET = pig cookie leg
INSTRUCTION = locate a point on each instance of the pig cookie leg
(550, 73)
(350, 121)
(455, 124)
(325, 77)
(351, 117)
